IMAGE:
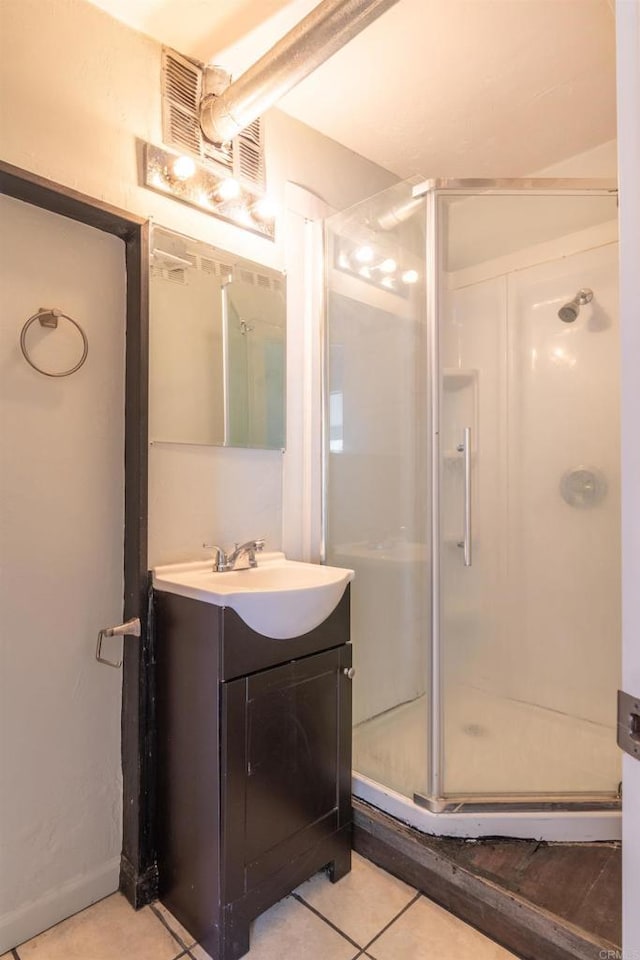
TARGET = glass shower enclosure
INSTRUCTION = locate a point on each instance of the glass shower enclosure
(472, 482)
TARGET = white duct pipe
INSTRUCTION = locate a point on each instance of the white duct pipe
(318, 36)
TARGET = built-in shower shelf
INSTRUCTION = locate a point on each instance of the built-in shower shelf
(456, 378)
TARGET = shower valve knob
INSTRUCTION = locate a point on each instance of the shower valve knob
(349, 672)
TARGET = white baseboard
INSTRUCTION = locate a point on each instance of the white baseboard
(58, 904)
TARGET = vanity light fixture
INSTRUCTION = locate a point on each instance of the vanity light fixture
(265, 209)
(242, 216)
(388, 266)
(377, 262)
(364, 254)
(227, 189)
(204, 200)
(183, 178)
(183, 167)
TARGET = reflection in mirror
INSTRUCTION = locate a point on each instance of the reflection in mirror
(216, 346)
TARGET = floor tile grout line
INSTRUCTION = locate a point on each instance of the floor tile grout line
(391, 922)
(165, 924)
(89, 906)
(346, 936)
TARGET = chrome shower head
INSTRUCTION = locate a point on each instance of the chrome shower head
(569, 311)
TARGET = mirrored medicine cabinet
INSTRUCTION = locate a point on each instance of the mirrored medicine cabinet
(217, 346)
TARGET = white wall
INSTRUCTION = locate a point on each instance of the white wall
(75, 118)
(61, 543)
(600, 161)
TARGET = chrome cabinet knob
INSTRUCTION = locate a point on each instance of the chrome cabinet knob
(349, 672)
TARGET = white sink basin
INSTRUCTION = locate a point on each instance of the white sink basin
(279, 598)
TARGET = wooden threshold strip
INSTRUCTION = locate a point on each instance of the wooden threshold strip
(520, 926)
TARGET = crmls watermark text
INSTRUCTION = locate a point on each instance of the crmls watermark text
(619, 955)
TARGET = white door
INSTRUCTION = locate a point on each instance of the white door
(628, 69)
(61, 578)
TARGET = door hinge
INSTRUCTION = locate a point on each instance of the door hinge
(629, 724)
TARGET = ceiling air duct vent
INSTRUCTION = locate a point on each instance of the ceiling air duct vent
(182, 91)
(250, 153)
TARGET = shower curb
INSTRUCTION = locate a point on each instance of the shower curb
(516, 923)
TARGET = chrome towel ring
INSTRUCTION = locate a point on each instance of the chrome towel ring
(49, 317)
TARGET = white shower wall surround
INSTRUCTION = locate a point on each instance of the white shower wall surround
(545, 589)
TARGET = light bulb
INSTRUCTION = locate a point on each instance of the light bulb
(364, 254)
(365, 272)
(388, 266)
(343, 261)
(265, 209)
(388, 283)
(227, 189)
(183, 168)
(410, 276)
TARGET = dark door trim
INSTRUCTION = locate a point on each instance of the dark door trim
(138, 872)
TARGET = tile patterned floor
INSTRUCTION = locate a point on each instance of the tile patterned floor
(368, 915)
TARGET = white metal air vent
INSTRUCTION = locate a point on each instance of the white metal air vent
(181, 95)
(164, 266)
(258, 279)
(250, 154)
(176, 276)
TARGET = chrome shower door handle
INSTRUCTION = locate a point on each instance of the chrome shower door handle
(465, 448)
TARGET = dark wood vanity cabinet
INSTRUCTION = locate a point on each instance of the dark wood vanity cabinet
(254, 765)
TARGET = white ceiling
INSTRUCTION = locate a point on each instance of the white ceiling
(456, 88)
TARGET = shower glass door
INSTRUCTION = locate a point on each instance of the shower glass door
(376, 473)
(526, 477)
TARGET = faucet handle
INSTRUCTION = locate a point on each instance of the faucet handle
(220, 557)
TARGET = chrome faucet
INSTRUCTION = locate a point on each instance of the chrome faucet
(242, 557)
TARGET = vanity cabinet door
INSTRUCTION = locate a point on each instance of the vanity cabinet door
(286, 763)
